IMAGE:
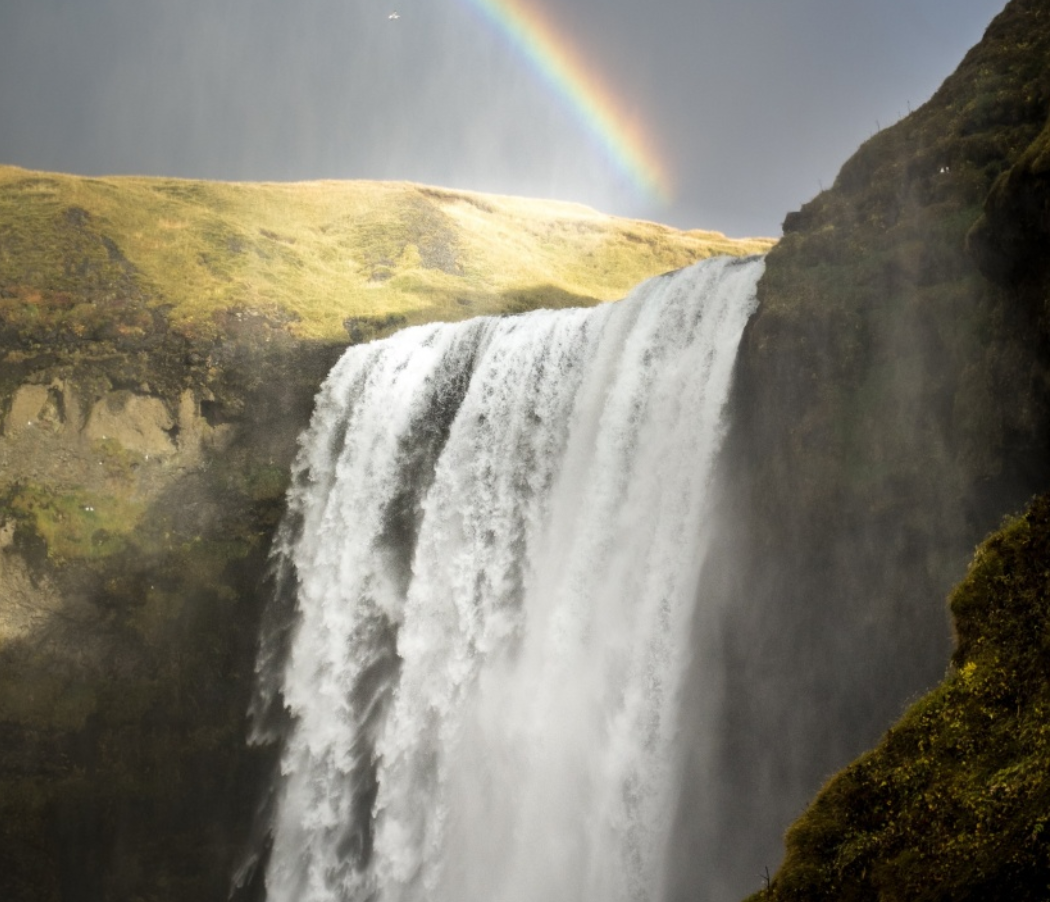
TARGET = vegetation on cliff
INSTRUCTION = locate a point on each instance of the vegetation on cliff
(131, 582)
(954, 803)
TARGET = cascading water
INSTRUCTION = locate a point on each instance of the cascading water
(494, 541)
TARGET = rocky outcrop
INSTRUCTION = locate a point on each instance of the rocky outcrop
(140, 424)
(136, 507)
(1009, 240)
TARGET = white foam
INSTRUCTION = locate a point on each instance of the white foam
(500, 541)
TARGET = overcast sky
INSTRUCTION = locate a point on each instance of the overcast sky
(751, 105)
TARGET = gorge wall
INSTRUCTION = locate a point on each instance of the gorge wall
(891, 407)
(138, 505)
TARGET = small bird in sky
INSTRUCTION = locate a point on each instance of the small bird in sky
(394, 15)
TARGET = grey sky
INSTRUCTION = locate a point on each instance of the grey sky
(753, 104)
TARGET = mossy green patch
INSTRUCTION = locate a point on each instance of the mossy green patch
(954, 804)
(72, 523)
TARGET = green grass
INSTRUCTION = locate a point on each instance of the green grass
(318, 252)
(73, 523)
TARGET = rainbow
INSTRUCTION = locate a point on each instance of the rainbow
(620, 136)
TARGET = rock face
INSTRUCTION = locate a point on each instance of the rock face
(134, 528)
(140, 424)
(892, 405)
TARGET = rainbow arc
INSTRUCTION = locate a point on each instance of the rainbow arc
(621, 136)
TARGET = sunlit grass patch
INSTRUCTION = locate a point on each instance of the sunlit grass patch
(320, 252)
(73, 524)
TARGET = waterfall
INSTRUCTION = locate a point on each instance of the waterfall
(494, 539)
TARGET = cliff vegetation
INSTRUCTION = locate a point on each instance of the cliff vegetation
(954, 803)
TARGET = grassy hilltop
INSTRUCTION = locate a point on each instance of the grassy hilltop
(315, 254)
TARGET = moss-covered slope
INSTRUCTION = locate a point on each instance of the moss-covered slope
(954, 804)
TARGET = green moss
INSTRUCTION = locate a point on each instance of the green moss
(954, 803)
(267, 483)
(72, 523)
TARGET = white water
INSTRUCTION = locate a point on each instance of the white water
(495, 528)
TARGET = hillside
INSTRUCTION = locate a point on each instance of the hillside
(315, 254)
(953, 803)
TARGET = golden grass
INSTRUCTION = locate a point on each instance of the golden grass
(325, 251)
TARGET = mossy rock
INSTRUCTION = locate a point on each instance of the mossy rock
(954, 804)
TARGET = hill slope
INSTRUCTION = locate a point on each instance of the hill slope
(317, 253)
(953, 804)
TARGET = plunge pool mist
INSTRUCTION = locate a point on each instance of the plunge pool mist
(494, 542)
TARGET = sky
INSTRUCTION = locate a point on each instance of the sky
(700, 114)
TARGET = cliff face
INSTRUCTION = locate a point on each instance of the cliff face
(139, 496)
(161, 345)
(891, 408)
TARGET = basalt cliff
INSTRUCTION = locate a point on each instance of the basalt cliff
(892, 407)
